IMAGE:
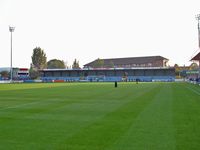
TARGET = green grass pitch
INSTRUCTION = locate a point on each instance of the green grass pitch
(97, 116)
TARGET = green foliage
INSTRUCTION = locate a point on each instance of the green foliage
(99, 63)
(4, 74)
(112, 64)
(33, 73)
(194, 66)
(56, 64)
(75, 64)
(180, 70)
(39, 59)
(176, 65)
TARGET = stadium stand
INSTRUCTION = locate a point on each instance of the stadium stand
(166, 74)
(197, 58)
(148, 69)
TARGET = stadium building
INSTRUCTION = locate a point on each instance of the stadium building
(150, 61)
(125, 69)
(23, 73)
(17, 73)
(197, 59)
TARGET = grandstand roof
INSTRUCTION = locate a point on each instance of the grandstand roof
(129, 60)
(104, 69)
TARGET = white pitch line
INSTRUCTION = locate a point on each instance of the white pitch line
(26, 104)
(193, 90)
(20, 105)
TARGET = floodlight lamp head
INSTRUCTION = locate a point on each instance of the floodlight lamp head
(11, 29)
(198, 16)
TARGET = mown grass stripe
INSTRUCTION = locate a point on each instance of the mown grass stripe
(186, 114)
(153, 127)
(106, 131)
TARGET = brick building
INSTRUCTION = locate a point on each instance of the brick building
(130, 62)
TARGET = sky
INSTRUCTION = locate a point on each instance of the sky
(89, 29)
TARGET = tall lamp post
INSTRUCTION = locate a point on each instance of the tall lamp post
(198, 19)
(11, 29)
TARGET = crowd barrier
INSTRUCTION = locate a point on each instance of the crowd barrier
(4, 81)
(33, 81)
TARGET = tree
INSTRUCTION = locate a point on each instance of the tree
(5, 74)
(193, 66)
(111, 64)
(39, 59)
(75, 64)
(176, 66)
(33, 73)
(99, 63)
(177, 70)
(56, 64)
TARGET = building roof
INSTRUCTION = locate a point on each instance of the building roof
(196, 57)
(129, 60)
(107, 69)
